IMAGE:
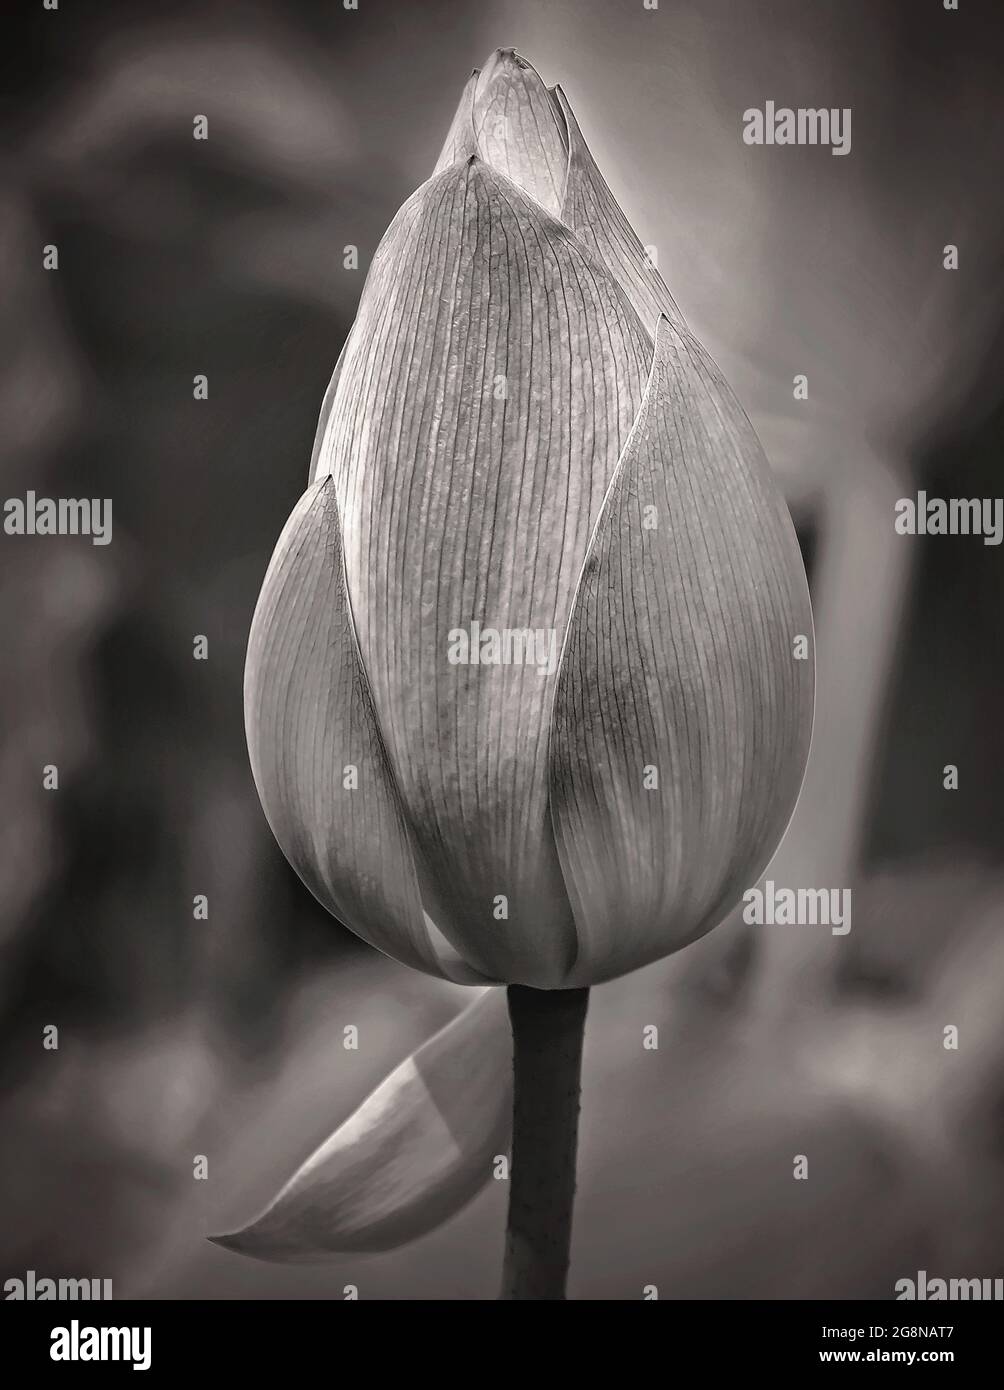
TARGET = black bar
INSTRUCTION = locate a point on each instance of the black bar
(269, 1338)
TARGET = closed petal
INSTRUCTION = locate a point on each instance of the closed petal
(594, 214)
(519, 128)
(416, 1151)
(460, 142)
(682, 717)
(491, 381)
(318, 465)
(316, 751)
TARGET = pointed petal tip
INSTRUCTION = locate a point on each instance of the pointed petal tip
(471, 171)
(269, 1247)
(670, 335)
(509, 62)
(593, 213)
(460, 168)
(230, 1240)
(519, 128)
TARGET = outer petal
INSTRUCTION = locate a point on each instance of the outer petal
(519, 128)
(309, 717)
(594, 214)
(415, 1151)
(491, 381)
(460, 142)
(512, 98)
(679, 657)
(317, 468)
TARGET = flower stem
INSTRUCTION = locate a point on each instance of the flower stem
(547, 1031)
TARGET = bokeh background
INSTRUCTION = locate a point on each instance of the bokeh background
(223, 1037)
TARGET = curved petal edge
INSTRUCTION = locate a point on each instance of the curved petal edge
(316, 751)
(461, 142)
(596, 217)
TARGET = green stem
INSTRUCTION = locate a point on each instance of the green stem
(547, 1031)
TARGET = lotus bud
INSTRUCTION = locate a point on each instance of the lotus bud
(521, 696)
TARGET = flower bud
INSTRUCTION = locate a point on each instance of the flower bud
(522, 437)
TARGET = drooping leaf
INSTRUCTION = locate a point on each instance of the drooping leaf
(416, 1150)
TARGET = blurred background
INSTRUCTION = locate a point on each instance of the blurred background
(181, 1037)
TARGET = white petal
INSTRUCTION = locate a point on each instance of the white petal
(316, 751)
(492, 378)
(519, 129)
(680, 660)
(594, 214)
